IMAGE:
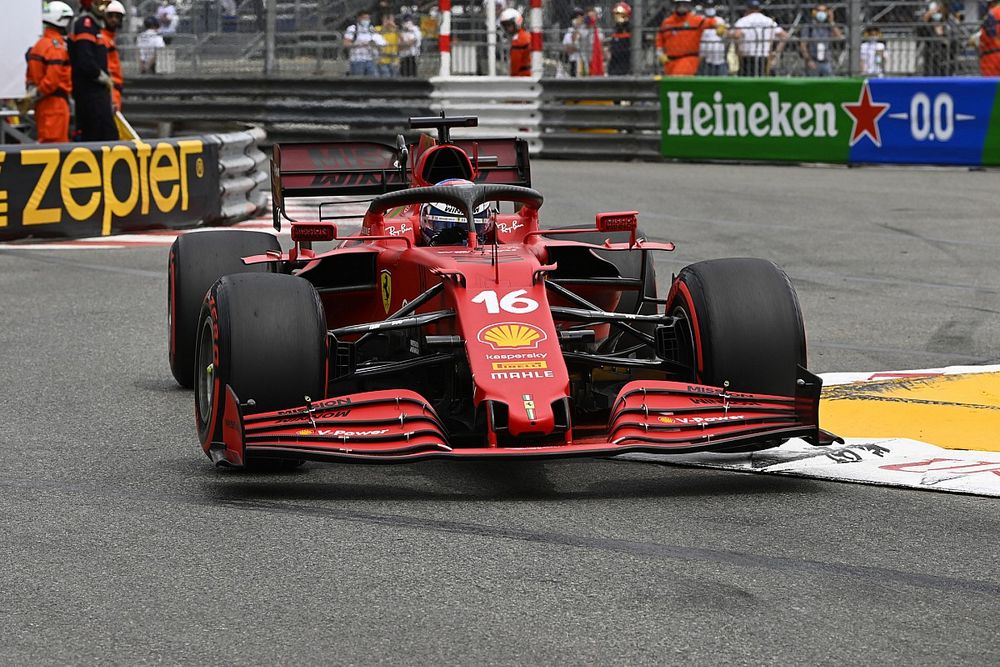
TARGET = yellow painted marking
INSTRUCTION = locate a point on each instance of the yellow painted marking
(951, 411)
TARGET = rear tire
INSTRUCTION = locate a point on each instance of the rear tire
(196, 261)
(265, 336)
(744, 324)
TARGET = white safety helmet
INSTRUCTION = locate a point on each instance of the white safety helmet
(511, 15)
(57, 14)
(115, 7)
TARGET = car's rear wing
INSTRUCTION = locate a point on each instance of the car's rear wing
(372, 168)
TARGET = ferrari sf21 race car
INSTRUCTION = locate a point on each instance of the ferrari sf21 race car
(524, 342)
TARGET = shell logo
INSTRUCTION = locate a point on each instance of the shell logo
(665, 420)
(511, 336)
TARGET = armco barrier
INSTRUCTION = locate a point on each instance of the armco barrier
(505, 105)
(601, 118)
(912, 121)
(287, 108)
(95, 189)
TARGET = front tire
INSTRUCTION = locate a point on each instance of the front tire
(195, 262)
(264, 335)
(743, 322)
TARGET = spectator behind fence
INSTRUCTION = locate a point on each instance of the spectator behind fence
(49, 81)
(166, 14)
(576, 43)
(713, 46)
(678, 42)
(92, 84)
(939, 39)
(363, 44)
(150, 43)
(756, 34)
(388, 60)
(872, 53)
(512, 24)
(114, 15)
(989, 42)
(820, 39)
(409, 46)
(620, 48)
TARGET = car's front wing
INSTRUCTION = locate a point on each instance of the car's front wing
(401, 426)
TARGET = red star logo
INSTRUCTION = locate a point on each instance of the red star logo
(865, 114)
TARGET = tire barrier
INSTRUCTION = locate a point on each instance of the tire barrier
(243, 176)
(100, 189)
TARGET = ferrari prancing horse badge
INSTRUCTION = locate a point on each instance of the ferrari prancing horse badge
(385, 281)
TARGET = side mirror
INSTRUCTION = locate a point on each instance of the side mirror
(619, 221)
(309, 232)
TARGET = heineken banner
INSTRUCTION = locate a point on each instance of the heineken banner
(916, 121)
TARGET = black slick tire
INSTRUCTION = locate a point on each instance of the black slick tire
(743, 322)
(195, 262)
(264, 335)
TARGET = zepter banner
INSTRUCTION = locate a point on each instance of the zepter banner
(22, 26)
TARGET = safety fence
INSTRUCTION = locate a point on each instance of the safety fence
(99, 189)
(857, 37)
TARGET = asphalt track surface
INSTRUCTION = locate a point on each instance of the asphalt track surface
(119, 543)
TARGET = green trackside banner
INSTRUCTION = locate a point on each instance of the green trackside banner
(952, 120)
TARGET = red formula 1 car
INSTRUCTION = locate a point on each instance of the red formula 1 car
(526, 342)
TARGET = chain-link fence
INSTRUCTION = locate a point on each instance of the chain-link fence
(802, 39)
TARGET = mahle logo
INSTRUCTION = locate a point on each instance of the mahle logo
(721, 118)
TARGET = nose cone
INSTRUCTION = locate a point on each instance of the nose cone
(511, 343)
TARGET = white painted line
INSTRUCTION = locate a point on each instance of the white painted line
(888, 462)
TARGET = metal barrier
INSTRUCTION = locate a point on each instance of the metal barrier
(288, 109)
(504, 105)
(601, 118)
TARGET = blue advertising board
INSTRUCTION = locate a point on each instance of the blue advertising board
(925, 121)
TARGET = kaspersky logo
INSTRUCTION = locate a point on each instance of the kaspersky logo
(734, 118)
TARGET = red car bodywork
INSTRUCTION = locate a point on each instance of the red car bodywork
(501, 320)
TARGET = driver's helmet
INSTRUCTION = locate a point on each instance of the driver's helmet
(444, 224)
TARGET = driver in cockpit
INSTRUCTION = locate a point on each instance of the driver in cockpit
(444, 224)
